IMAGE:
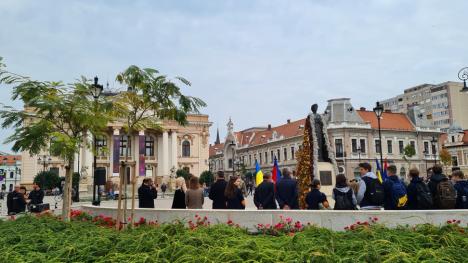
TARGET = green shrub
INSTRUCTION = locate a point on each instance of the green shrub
(47, 180)
(206, 178)
(183, 173)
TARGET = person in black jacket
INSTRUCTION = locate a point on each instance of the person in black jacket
(286, 191)
(217, 192)
(264, 197)
(179, 195)
(16, 201)
(36, 195)
(234, 197)
(146, 194)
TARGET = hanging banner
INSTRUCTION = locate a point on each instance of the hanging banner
(116, 153)
(141, 165)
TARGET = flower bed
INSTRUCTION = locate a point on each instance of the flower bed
(89, 239)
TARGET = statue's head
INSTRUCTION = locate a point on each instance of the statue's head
(314, 108)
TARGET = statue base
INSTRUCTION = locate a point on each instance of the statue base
(327, 177)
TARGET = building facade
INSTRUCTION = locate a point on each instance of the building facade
(443, 104)
(456, 142)
(353, 135)
(154, 154)
(10, 171)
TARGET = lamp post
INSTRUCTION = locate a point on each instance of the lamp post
(425, 152)
(233, 145)
(96, 91)
(463, 75)
(45, 160)
(16, 170)
(378, 110)
(4, 175)
(434, 149)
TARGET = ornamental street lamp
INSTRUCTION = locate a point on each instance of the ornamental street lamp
(96, 91)
(378, 110)
(434, 142)
(45, 160)
(463, 75)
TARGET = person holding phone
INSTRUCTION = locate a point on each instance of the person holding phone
(16, 200)
(147, 193)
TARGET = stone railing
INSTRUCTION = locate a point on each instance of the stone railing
(335, 220)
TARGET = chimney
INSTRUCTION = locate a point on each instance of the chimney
(269, 126)
(288, 121)
(362, 109)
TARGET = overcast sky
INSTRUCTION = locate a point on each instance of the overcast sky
(259, 62)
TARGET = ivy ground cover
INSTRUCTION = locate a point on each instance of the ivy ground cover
(48, 239)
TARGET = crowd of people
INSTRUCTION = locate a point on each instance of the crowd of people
(19, 200)
(436, 191)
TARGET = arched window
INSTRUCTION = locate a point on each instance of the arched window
(101, 145)
(149, 146)
(186, 149)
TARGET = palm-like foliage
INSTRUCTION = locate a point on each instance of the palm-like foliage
(56, 117)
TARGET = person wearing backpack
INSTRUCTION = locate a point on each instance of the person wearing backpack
(315, 200)
(461, 186)
(371, 192)
(395, 191)
(419, 195)
(343, 195)
(443, 193)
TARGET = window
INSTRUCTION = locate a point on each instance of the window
(389, 147)
(124, 143)
(378, 146)
(279, 155)
(339, 147)
(285, 154)
(250, 159)
(413, 144)
(354, 145)
(229, 163)
(454, 161)
(293, 153)
(101, 145)
(186, 149)
(401, 146)
(260, 158)
(12, 174)
(272, 157)
(426, 147)
(362, 145)
(266, 157)
(434, 150)
(453, 138)
(149, 146)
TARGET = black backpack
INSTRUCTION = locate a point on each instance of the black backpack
(343, 201)
(375, 192)
(446, 195)
(423, 196)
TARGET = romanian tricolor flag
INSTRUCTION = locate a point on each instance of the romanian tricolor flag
(276, 173)
(258, 174)
(381, 175)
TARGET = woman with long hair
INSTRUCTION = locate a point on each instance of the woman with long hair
(343, 194)
(194, 198)
(179, 195)
(234, 197)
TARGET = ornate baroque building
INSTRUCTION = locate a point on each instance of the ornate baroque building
(151, 154)
(353, 135)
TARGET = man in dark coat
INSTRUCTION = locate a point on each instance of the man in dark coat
(16, 202)
(436, 178)
(146, 194)
(286, 191)
(264, 197)
(36, 195)
(217, 192)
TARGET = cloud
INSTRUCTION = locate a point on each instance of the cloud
(268, 60)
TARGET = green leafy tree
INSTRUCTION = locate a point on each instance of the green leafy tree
(183, 173)
(149, 99)
(408, 153)
(56, 117)
(207, 178)
(47, 180)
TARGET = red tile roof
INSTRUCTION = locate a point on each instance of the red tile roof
(389, 121)
(9, 159)
(215, 148)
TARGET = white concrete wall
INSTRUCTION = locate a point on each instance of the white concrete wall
(335, 220)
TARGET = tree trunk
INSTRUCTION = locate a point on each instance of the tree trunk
(132, 213)
(66, 206)
(119, 203)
